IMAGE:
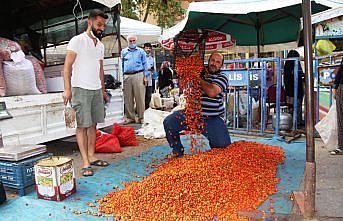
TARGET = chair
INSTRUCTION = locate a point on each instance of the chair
(271, 99)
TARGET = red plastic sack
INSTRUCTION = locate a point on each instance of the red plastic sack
(126, 135)
(107, 143)
(116, 129)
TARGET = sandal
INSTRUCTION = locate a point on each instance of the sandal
(337, 151)
(87, 171)
(174, 155)
(100, 163)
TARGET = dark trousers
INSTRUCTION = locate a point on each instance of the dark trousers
(153, 85)
(339, 109)
(215, 131)
(148, 92)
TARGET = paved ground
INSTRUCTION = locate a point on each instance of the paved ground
(329, 191)
(68, 147)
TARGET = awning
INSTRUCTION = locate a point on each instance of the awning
(250, 22)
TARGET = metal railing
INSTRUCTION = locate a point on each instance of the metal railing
(248, 77)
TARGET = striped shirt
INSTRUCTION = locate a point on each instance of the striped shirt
(213, 107)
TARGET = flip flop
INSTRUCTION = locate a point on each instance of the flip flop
(87, 171)
(336, 152)
(100, 163)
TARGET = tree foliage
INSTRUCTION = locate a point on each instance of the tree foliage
(165, 12)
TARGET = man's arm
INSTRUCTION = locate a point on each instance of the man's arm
(144, 64)
(122, 60)
(145, 68)
(212, 90)
(102, 79)
(68, 64)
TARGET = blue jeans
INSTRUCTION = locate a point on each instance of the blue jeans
(215, 131)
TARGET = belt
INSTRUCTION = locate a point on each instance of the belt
(134, 72)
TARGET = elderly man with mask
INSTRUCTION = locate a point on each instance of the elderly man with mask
(213, 84)
(135, 72)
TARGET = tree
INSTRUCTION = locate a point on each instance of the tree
(166, 12)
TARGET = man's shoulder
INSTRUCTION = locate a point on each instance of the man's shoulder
(78, 37)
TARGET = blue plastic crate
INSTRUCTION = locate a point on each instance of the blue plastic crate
(20, 174)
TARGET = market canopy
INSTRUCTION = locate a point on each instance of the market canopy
(145, 31)
(250, 22)
(17, 14)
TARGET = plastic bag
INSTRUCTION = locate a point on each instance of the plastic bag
(115, 129)
(156, 101)
(69, 116)
(106, 143)
(20, 78)
(324, 47)
(327, 128)
(125, 135)
(153, 124)
(39, 74)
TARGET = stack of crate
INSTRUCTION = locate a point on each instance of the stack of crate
(17, 169)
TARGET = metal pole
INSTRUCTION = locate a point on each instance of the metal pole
(76, 26)
(44, 41)
(117, 15)
(258, 29)
(310, 171)
(295, 102)
(278, 96)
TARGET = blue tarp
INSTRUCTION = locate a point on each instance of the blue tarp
(133, 168)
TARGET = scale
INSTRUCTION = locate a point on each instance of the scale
(21, 151)
(4, 114)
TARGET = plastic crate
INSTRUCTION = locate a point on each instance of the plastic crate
(20, 174)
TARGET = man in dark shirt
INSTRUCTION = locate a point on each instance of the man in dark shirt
(338, 95)
(213, 85)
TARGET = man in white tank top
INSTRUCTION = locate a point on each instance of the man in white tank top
(84, 86)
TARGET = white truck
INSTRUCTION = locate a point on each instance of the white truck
(39, 118)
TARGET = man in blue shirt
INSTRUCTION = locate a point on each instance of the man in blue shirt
(135, 72)
(150, 66)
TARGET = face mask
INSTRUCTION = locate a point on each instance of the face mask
(132, 46)
(95, 34)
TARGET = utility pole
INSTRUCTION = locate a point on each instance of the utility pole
(310, 170)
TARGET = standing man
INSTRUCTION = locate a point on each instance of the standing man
(213, 85)
(150, 67)
(84, 86)
(135, 80)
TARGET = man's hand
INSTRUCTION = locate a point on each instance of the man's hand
(334, 93)
(106, 98)
(145, 80)
(66, 96)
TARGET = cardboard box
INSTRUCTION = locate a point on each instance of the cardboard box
(55, 178)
